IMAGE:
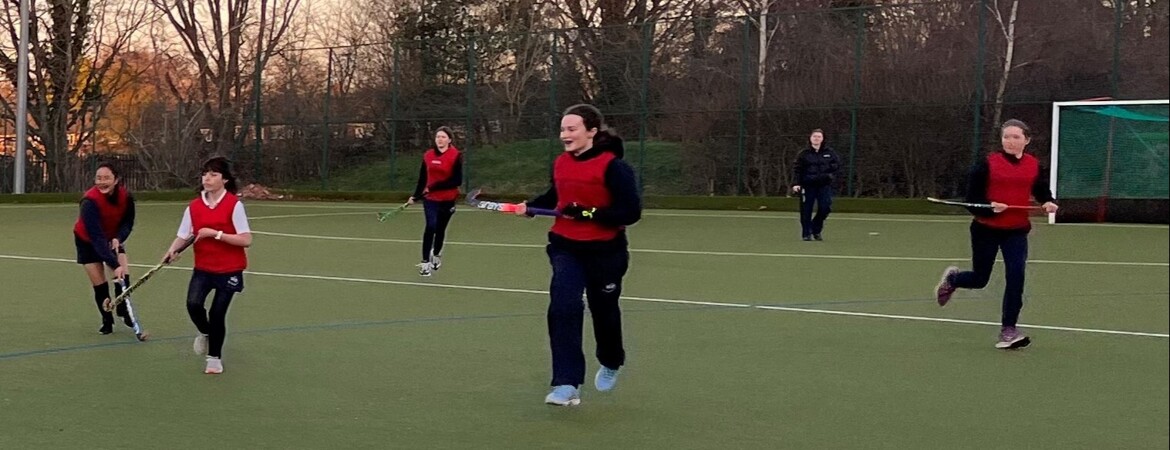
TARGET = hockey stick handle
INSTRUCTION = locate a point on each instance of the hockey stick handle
(978, 205)
(187, 243)
(111, 304)
(542, 212)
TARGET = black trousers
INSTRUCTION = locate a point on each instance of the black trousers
(599, 276)
(213, 323)
(822, 197)
(438, 216)
(986, 243)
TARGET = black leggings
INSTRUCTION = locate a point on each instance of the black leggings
(212, 323)
(438, 216)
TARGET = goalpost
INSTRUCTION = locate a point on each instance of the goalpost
(1111, 161)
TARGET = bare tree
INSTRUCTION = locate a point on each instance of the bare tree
(74, 49)
(214, 36)
(525, 56)
(757, 15)
(1009, 34)
(606, 32)
(164, 131)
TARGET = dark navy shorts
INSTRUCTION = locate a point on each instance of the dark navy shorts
(86, 254)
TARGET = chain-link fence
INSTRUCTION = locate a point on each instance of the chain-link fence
(907, 94)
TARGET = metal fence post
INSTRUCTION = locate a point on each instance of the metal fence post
(257, 151)
(1115, 75)
(394, 87)
(977, 106)
(554, 107)
(647, 43)
(744, 81)
(328, 132)
(858, 46)
(470, 126)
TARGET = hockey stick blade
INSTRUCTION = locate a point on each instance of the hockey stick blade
(139, 331)
(385, 215)
(475, 202)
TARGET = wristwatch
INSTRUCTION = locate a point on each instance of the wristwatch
(219, 235)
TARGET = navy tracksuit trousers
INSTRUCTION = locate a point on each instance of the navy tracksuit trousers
(598, 274)
(986, 243)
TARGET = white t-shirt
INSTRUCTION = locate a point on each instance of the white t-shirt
(239, 218)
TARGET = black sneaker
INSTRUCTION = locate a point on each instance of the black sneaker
(106, 328)
(817, 237)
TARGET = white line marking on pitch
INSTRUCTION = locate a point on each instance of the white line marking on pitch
(734, 254)
(654, 300)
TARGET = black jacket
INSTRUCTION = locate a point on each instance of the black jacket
(816, 169)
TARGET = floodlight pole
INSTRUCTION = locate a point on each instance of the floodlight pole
(21, 100)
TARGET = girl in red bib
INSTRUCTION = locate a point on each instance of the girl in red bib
(100, 234)
(439, 179)
(1006, 177)
(220, 226)
(598, 197)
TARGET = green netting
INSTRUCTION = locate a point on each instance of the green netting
(1114, 151)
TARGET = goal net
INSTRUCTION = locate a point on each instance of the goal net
(1111, 161)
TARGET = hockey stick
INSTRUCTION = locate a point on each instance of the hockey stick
(111, 304)
(506, 207)
(976, 205)
(139, 332)
(384, 215)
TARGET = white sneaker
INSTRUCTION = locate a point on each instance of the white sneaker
(424, 269)
(564, 395)
(200, 346)
(606, 379)
(436, 261)
(214, 365)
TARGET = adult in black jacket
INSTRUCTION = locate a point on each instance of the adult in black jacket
(815, 168)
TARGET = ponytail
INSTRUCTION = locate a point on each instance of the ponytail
(607, 139)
